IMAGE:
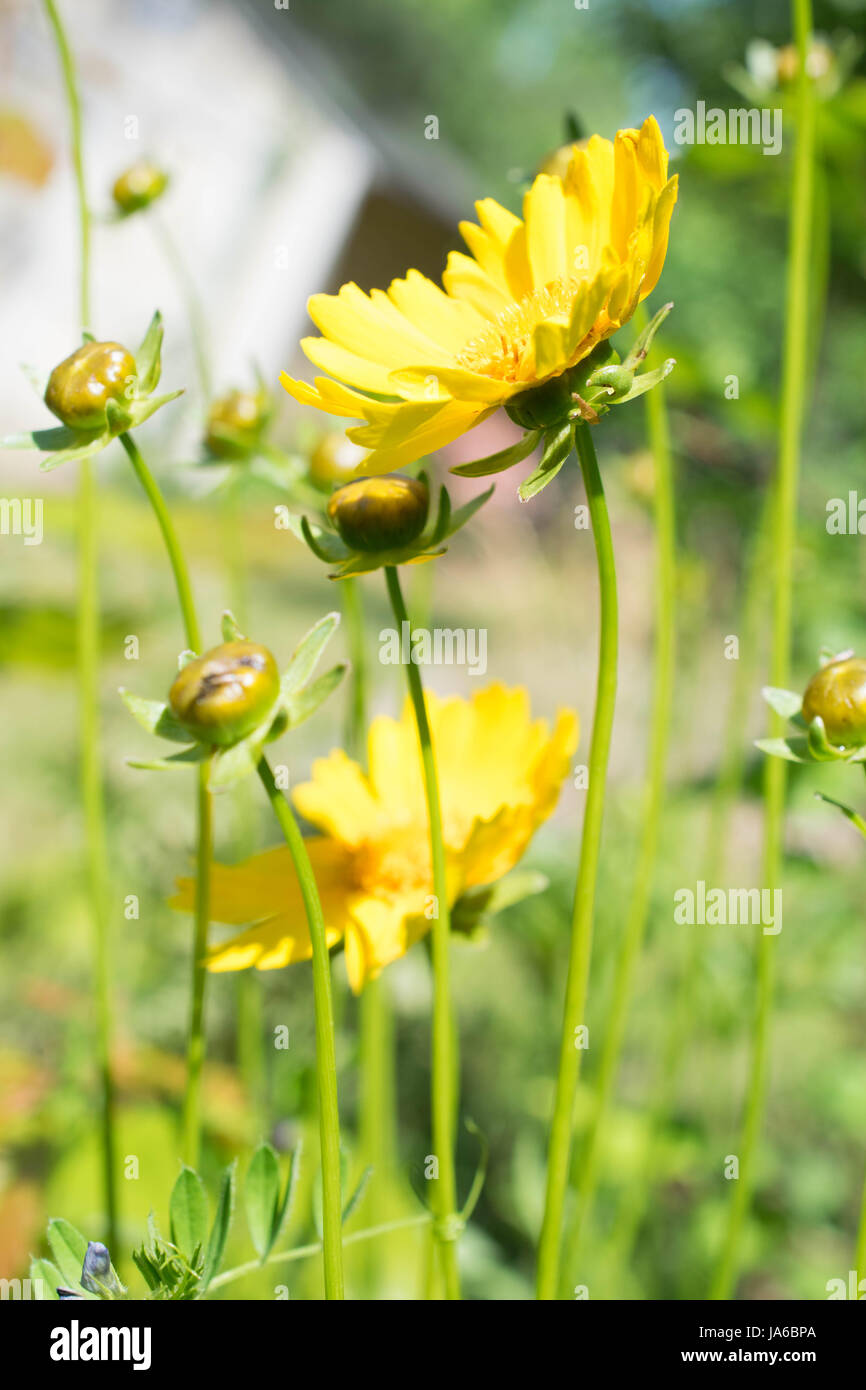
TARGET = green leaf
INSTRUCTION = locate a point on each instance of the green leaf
(468, 510)
(230, 630)
(299, 707)
(794, 750)
(231, 765)
(188, 1213)
(261, 1198)
(196, 754)
(45, 1280)
(306, 654)
(647, 380)
(357, 1194)
(644, 339)
(155, 716)
(148, 357)
(289, 1193)
(325, 545)
(819, 744)
(853, 816)
(222, 1224)
(557, 448)
(48, 441)
(69, 1247)
(480, 1172)
(784, 702)
(79, 453)
(498, 462)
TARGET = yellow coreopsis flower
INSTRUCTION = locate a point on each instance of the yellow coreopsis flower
(500, 773)
(532, 300)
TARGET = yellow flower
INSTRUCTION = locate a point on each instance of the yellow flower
(533, 299)
(500, 773)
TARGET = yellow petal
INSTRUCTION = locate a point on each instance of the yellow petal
(381, 932)
(410, 435)
(464, 279)
(449, 322)
(371, 326)
(544, 215)
(338, 800)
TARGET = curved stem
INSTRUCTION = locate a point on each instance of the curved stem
(559, 1146)
(632, 943)
(172, 545)
(191, 1121)
(443, 1081)
(326, 1057)
(794, 374)
(88, 676)
(303, 1252)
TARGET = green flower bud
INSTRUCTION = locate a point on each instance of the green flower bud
(81, 384)
(334, 459)
(222, 696)
(235, 422)
(543, 406)
(384, 513)
(138, 187)
(838, 695)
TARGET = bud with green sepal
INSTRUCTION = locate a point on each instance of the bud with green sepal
(99, 392)
(377, 523)
(138, 187)
(830, 716)
(229, 703)
(584, 393)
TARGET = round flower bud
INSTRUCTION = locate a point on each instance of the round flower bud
(222, 696)
(384, 513)
(81, 385)
(543, 406)
(838, 695)
(138, 187)
(242, 414)
(334, 459)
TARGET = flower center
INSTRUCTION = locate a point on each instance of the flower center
(501, 351)
(394, 864)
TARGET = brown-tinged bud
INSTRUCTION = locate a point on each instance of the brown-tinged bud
(81, 385)
(222, 696)
(378, 514)
(838, 695)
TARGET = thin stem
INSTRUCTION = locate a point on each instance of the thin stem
(446, 1228)
(191, 1121)
(570, 1053)
(73, 103)
(356, 716)
(88, 675)
(326, 1057)
(632, 943)
(195, 313)
(860, 1247)
(172, 545)
(303, 1252)
(794, 375)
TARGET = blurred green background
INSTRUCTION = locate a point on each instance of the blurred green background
(500, 78)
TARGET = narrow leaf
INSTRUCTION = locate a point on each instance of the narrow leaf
(222, 1223)
(261, 1198)
(68, 1246)
(299, 707)
(498, 462)
(357, 1194)
(784, 702)
(45, 1280)
(188, 1212)
(155, 716)
(306, 655)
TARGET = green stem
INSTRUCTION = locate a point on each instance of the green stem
(172, 545)
(443, 1082)
(570, 1055)
(191, 1121)
(356, 716)
(794, 375)
(195, 313)
(326, 1057)
(663, 682)
(303, 1252)
(860, 1247)
(88, 676)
